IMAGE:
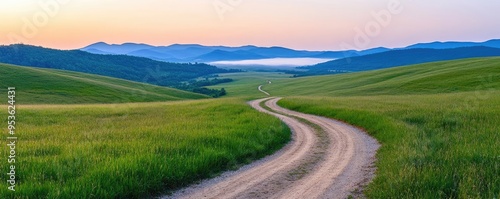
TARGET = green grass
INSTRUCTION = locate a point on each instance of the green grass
(438, 77)
(433, 146)
(46, 86)
(134, 150)
(438, 124)
(245, 84)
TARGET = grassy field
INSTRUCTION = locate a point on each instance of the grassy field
(438, 77)
(79, 137)
(433, 146)
(46, 86)
(245, 84)
(134, 150)
(438, 124)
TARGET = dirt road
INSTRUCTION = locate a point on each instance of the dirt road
(325, 159)
(260, 89)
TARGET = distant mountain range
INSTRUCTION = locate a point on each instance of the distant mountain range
(453, 44)
(400, 57)
(198, 53)
(146, 63)
(137, 69)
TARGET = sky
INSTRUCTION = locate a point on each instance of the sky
(298, 24)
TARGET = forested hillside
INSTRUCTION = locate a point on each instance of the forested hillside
(119, 66)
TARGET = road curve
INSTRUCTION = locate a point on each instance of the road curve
(325, 159)
(260, 89)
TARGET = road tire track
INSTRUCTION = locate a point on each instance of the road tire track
(325, 159)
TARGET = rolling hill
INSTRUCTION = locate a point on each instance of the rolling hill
(120, 66)
(49, 86)
(494, 43)
(437, 123)
(399, 58)
(436, 77)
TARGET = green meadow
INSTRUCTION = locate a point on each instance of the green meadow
(245, 84)
(48, 86)
(134, 150)
(438, 124)
(432, 78)
(79, 136)
(433, 146)
(87, 136)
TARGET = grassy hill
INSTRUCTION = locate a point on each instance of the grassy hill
(80, 138)
(395, 58)
(437, 123)
(48, 86)
(134, 150)
(120, 66)
(245, 84)
(436, 77)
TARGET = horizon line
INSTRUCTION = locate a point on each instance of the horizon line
(248, 45)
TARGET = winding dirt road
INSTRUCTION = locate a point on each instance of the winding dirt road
(325, 159)
(260, 89)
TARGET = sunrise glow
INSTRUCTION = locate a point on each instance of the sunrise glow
(312, 25)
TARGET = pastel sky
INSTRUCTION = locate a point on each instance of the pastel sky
(299, 24)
